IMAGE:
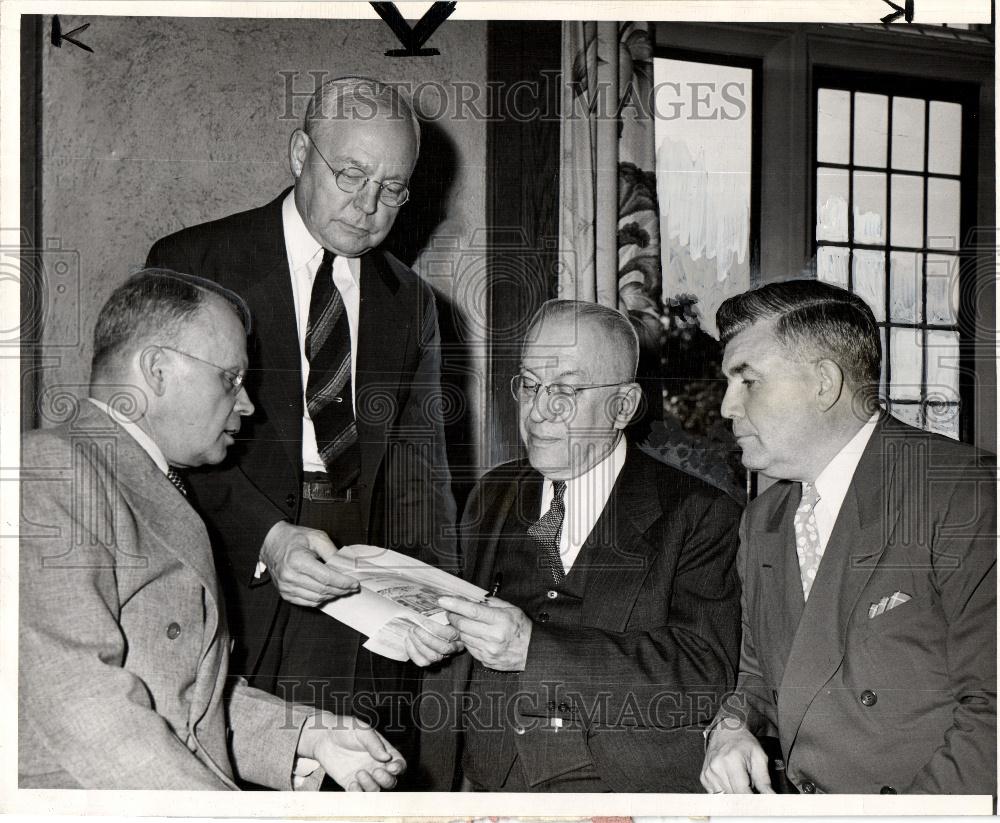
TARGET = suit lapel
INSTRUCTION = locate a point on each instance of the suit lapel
(864, 526)
(495, 501)
(619, 549)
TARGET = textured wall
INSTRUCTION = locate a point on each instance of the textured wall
(173, 121)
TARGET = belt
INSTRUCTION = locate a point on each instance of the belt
(317, 490)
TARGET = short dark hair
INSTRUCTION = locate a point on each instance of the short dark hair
(153, 302)
(619, 329)
(814, 314)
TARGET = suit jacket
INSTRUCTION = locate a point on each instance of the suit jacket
(905, 701)
(123, 645)
(658, 636)
(405, 483)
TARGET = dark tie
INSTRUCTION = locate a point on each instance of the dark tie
(328, 391)
(177, 480)
(547, 528)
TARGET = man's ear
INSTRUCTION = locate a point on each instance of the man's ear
(625, 404)
(298, 146)
(151, 367)
(831, 383)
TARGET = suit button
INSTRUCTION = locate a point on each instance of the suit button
(173, 631)
(543, 617)
(564, 708)
(868, 698)
(809, 787)
(887, 790)
(519, 730)
(551, 595)
(290, 500)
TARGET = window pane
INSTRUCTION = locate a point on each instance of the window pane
(942, 288)
(943, 212)
(833, 126)
(869, 207)
(944, 149)
(883, 391)
(907, 227)
(831, 265)
(906, 363)
(904, 287)
(871, 125)
(907, 133)
(942, 418)
(831, 204)
(942, 366)
(908, 413)
(869, 279)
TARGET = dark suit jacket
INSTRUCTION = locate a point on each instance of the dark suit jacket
(405, 483)
(122, 665)
(905, 700)
(659, 632)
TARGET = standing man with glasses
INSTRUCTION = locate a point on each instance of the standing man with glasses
(346, 446)
(616, 630)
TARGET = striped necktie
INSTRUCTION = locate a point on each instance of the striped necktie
(328, 390)
(548, 527)
(807, 545)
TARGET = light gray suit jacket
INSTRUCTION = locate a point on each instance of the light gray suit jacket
(123, 648)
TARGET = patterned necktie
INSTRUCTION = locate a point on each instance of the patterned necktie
(807, 537)
(177, 480)
(547, 528)
(328, 391)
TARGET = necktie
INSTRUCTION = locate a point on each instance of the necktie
(807, 537)
(177, 480)
(328, 390)
(547, 528)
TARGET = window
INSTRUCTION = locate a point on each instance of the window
(892, 182)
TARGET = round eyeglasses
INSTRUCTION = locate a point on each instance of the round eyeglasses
(525, 389)
(351, 179)
(233, 379)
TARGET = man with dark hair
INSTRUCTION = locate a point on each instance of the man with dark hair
(347, 446)
(123, 648)
(868, 569)
(617, 633)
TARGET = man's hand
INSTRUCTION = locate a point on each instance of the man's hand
(496, 633)
(296, 558)
(430, 642)
(351, 752)
(734, 763)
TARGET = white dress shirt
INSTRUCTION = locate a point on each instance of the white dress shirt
(304, 256)
(834, 481)
(140, 437)
(585, 499)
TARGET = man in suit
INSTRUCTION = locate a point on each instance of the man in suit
(347, 446)
(868, 569)
(618, 630)
(123, 645)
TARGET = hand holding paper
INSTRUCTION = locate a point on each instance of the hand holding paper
(496, 633)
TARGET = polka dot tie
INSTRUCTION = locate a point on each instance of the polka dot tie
(547, 529)
(807, 537)
(177, 480)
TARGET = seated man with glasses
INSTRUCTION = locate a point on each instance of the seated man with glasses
(615, 634)
(346, 446)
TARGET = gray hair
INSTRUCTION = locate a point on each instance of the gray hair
(359, 98)
(153, 303)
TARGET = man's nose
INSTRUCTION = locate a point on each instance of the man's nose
(243, 405)
(366, 198)
(731, 405)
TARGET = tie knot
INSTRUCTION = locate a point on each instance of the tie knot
(810, 497)
(558, 489)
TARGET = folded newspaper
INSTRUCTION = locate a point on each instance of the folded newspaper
(397, 592)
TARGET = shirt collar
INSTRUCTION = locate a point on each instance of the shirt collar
(140, 437)
(302, 246)
(834, 481)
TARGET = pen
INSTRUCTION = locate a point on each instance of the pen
(495, 589)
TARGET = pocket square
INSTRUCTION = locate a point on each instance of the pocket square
(890, 601)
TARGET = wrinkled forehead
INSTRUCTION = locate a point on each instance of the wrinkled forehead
(756, 346)
(562, 343)
(217, 329)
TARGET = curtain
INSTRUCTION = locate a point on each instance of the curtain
(608, 223)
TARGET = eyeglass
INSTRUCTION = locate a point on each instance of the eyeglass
(234, 379)
(351, 180)
(524, 388)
